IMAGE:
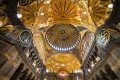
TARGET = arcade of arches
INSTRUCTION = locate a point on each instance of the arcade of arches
(59, 40)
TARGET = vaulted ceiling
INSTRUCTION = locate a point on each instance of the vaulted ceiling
(61, 61)
(41, 15)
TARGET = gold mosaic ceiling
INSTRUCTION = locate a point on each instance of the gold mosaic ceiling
(99, 11)
(63, 11)
(86, 44)
(29, 13)
(90, 14)
(63, 61)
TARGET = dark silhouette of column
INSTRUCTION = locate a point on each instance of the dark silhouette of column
(103, 75)
(29, 76)
(33, 58)
(93, 78)
(110, 73)
(34, 78)
(24, 74)
(17, 73)
(43, 69)
(3, 60)
(97, 77)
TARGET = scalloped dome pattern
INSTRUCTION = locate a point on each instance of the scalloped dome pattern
(63, 37)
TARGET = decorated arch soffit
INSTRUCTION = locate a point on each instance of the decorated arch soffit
(86, 44)
(40, 44)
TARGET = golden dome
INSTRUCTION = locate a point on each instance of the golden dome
(63, 37)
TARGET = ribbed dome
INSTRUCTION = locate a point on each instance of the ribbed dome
(100, 11)
(63, 37)
(63, 62)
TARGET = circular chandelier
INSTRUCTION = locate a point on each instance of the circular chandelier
(63, 37)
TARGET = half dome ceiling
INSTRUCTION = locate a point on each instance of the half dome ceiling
(63, 11)
(63, 61)
(86, 44)
(100, 11)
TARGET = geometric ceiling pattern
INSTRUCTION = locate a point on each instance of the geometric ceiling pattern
(81, 13)
(100, 11)
(60, 37)
(63, 61)
(63, 11)
(86, 44)
(56, 36)
(88, 14)
(39, 43)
